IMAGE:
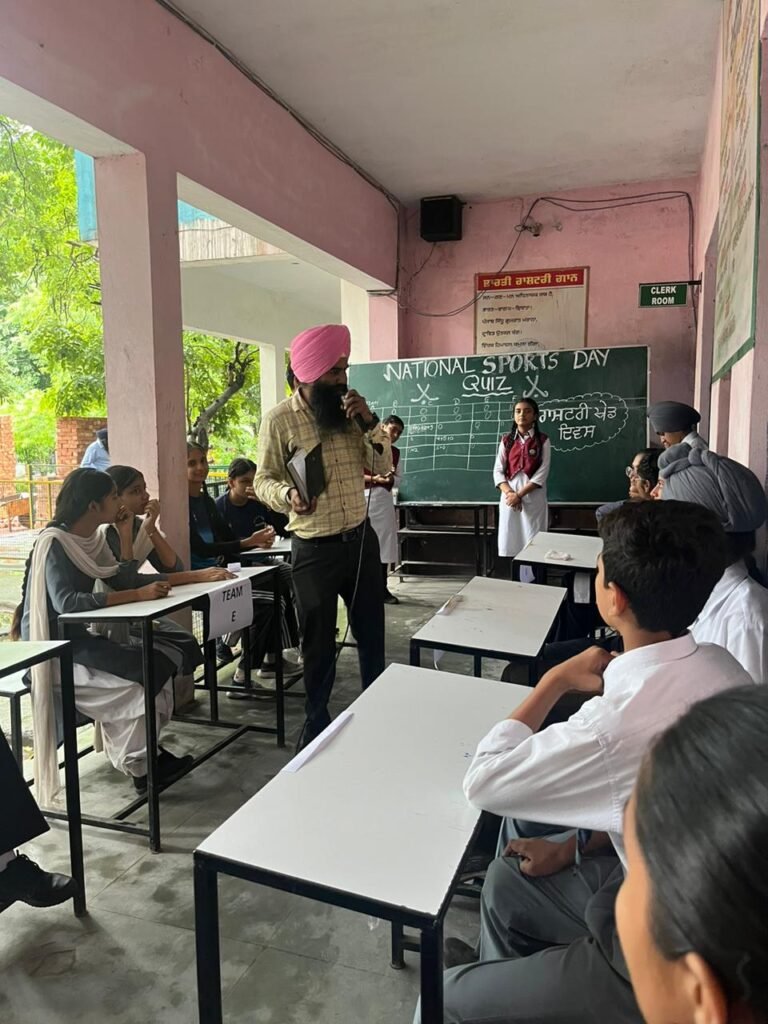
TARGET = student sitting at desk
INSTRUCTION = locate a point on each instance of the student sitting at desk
(239, 507)
(146, 543)
(520, 473)
(692, 914)
(381, 506)
(547, 947)
(736, 614)
(68, 558)
(643, 476)
(213, 542)
(245, 515)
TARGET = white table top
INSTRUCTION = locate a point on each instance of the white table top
(496, 615)
(16, 655)
(379, 812)
(179, 597)
(282, 546)
(583, 550)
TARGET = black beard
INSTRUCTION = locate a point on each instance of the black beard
(325, 403)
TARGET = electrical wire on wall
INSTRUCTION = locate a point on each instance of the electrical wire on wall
(574, 206)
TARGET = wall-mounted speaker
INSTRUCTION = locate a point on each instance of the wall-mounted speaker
(441, 219)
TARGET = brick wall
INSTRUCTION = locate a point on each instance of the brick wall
(7, 456)
(73, 435)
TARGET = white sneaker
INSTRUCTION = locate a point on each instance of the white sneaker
(290, 668)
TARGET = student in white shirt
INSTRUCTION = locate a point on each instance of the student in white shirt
(693, 912)
(676, 423)
(736, 614)
(547, 945)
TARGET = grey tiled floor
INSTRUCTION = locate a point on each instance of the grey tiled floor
(285, 960)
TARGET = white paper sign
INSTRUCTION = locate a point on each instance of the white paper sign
(231, 607)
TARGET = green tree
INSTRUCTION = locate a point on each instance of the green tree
(51, 329)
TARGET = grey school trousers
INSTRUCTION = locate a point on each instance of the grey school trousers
(550, 951)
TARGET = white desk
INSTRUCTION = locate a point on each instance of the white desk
(144, 613)
(280, 549)
(583, 550)
(492, 619)
(384, 807)
(18, 656)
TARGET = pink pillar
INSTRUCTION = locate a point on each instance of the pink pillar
(141, 294)
(384, 326)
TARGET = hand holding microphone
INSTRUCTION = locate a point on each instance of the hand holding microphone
(357, 409)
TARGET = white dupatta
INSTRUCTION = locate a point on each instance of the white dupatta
(93, 557)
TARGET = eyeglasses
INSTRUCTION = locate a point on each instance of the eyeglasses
(631, 472)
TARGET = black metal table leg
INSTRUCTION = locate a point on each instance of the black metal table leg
(17, 732)
(210, 674)
(477, 665)
(72, 779)
(478, 542)
(431, 965)
(415, 657)
(397, 960)
(207, 943)
(279, 681)
(150, 724)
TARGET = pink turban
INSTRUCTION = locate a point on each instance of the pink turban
(317, 350)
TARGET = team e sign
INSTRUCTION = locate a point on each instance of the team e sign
(231, 607)
(664, 293)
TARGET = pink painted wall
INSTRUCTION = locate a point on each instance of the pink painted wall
(621, 247)
(137, 73)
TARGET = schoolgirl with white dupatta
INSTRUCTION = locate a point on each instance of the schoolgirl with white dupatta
(68, 559)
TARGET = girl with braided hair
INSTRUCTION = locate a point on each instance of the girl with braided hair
(69, 557)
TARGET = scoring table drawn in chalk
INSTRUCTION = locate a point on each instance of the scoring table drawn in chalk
(465, 434)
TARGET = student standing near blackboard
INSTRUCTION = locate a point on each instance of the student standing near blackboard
(520, 473)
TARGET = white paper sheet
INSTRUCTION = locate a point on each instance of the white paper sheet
(231, 607)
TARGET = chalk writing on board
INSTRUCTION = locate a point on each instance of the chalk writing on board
(583, 421)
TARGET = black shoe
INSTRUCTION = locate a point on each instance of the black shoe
(23, 880)
(389, 598)
(224, 655)
(457, 953)
(169, 768)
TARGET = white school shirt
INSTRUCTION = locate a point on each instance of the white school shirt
(736, 618)
(580, 773)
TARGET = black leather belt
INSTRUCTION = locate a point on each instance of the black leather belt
(337, 538)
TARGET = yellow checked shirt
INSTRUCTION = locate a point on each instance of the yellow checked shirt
(341, 506)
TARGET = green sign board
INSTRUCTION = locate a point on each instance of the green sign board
(664, 293)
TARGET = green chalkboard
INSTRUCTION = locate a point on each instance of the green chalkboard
(593, 408)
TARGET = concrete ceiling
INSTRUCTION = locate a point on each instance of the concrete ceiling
(487, 98)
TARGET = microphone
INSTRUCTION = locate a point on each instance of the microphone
(364, 428)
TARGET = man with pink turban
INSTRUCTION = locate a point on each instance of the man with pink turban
(334, 551)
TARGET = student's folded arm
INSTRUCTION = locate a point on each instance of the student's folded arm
(128, 577)
(557, 776)
(271, 483)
